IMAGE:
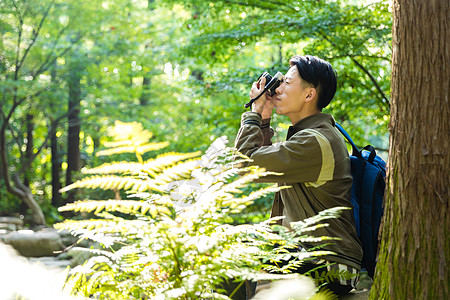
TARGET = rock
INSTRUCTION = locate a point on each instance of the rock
(64, 256)
(34, 244)
(11, 220)
(67, 238)
(50, 262)
(10, 223)
(3, 232)
(364, 283)
(356, 295)
(79, 255)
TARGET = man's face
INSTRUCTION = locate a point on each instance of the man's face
(291, 94)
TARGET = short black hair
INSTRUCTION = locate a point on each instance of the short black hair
(320, 74)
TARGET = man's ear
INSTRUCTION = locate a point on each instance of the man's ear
(311, 95)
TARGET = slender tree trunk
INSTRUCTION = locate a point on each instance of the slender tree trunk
(29, 144)
(29, 147)
(415, 253)
(73, 140)
(56, 155)
(144, 99)
(56, 168)
(19, 189)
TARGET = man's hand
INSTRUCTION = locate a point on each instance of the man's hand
(264, 105)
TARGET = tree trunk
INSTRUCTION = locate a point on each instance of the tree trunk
(144, 99)
(29, 144)
(56, 155)
(19, 190)
(27, 197)
(56, 168)
(73, 139)
(414, 253)
(29, 147)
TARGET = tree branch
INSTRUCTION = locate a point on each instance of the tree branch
(47, 63)
(19, 41)
(364, 56)
(375, 83)
(51, 127)
(5, 166)
(15, 137)
(36, 34)
(53, 46)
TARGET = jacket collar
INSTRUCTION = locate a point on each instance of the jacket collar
(310, 122)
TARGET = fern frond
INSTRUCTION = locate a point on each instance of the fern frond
(246, 200)
(125, 143)
(236, 185)
(132, 133)
(141, 149)
(113, 182)
(321, 216)
(179, 171)
(151, 147)
(123, 206)
(98, 228)
(115, 168)
(161, 161)
(85, 224)
(150, 166)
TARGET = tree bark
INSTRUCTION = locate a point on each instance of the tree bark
(73, 139)
(414, 253)
(28, 147)
(56, 155)
(144, 99)
(56, 168)
(19, 189)
(29, 144)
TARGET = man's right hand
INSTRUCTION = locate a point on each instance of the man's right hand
(268, 107)
(265, 104)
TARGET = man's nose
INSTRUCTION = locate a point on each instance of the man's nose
(278, 89)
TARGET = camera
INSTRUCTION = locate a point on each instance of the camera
(271, 85)
(271, 82)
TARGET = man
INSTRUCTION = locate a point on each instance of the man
(313, 160)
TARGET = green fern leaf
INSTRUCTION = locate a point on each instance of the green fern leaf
(113, 168)
(179, 171)
(150, 166)
(151, 147)
(112, 182)
(110, 205)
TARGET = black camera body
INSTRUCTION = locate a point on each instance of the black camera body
(271, 82)
(271, 85)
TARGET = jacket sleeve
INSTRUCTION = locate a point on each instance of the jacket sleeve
(299, 159)
(267, 132)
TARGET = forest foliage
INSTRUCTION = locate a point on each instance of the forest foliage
(70, 69)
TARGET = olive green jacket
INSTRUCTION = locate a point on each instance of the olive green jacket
(314, 161)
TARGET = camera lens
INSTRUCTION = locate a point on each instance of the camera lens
(275, 82)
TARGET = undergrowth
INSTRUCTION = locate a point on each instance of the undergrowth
(172, 238)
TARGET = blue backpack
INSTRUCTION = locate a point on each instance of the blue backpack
(369, 181)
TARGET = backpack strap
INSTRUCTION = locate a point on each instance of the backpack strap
(355, 151)
(372, 154)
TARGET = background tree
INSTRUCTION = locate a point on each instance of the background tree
(24, 80)
(34, 36)
(415, 253)
(237, 42)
